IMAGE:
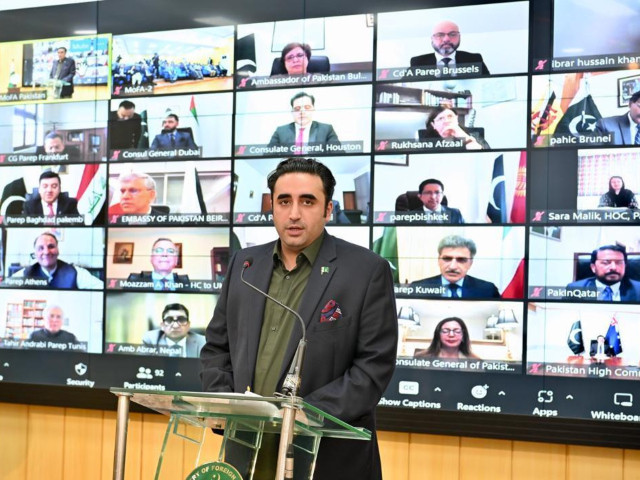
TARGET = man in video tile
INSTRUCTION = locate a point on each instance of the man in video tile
(57, 273)
(48, 201)
(54, 144)
(625, 129)
(430, 193)
(175, 331)
(171, 137)
(64, 69)
(137, 193)
(164, 258)
(53, 317)
(455, 257)
(304, 130)
(609, 264)
(445, 40)
(125, 126)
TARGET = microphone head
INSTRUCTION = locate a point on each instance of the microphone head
(247, 262)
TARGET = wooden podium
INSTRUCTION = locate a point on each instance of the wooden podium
(242, 418)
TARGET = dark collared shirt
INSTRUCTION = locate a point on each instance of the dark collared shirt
(277, 324)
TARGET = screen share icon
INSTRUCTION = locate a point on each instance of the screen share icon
(623, 399)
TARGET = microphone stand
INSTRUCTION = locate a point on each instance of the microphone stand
(284, 468)
(290, 386)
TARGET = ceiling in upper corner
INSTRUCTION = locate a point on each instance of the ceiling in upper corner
(13, 5)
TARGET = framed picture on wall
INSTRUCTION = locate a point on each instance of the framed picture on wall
(123, 252)
(626, 87)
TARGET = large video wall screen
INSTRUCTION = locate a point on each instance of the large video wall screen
(490, 153)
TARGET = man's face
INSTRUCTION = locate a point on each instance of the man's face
(169, 124)
(634, 111)
(164, 257)
(53, 319)
(299, 212)
(454, 263)
(53, 145)
(445, 38)
(46, 252)
(135, 197)
(125, 113)
(175, 324)
(303, 111)
(61, 54)
(609, 267)
(49, 189)
(431, 196)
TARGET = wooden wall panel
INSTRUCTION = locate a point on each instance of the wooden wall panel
(485, 459)
(534, 461)
(631, 465)
(594, 462)
(45, 443)
(153, 430)
(13, 441)
(209, 453)
(75, 444)
(434, 456)
(394, 454)
(83, 439)
(134, 446)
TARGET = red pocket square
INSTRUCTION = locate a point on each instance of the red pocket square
(331, 312)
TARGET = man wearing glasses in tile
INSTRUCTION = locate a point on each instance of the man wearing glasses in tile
(164, 258)
(175, 332)
(455, 257)
(445, 41)
(304, 133)
(137, 193)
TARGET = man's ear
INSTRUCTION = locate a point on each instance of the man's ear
(329, 211)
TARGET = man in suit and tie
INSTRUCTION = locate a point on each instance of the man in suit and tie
(175, 331)
(455, 257)
(303, 130)
(625, 129)
(344, 294)
(48, 200)
(64, 69)
(445, 40)
(609, 264)
(164, 258)
(170, 137)
(430, 194)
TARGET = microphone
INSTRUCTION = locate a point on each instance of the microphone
(290, 386)
(292, 381)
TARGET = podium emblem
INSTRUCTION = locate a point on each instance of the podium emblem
(215, 471)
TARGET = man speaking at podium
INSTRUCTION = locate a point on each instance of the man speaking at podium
(344, 294)
(64, 69)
